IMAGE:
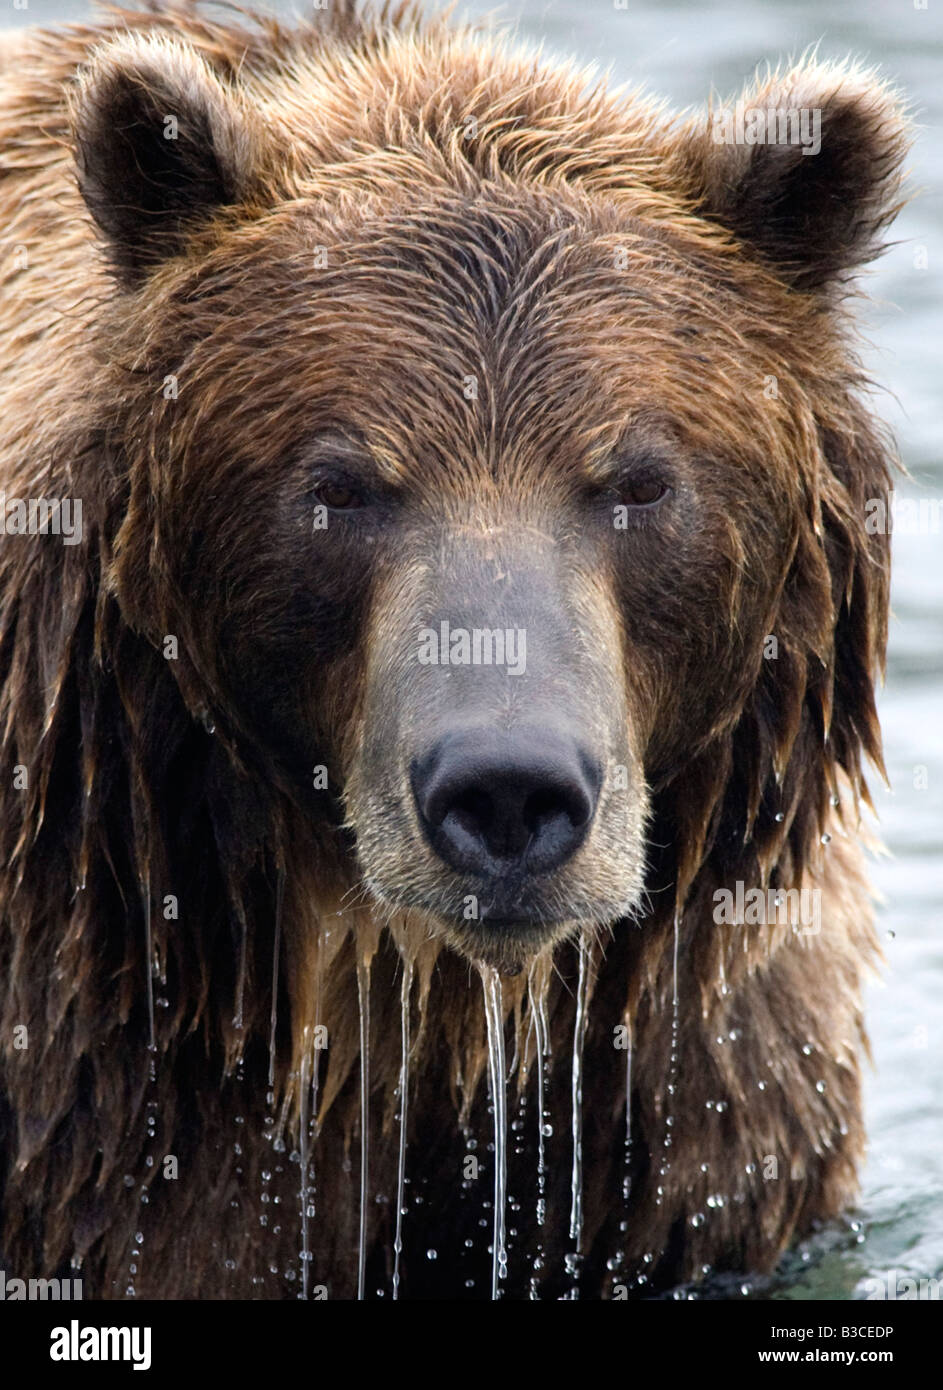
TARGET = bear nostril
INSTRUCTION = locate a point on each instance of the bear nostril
(472, 812)
(545, 806)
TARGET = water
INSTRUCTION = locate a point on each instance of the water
(304, 1084)
(576, 1097)
(497, 1074)
(665, 1165)
(681, 51)
(403, 1117)
(149, 956)
(363, 996)
(273, 1021)
(537, 987)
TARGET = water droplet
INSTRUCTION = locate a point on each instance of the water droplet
(826, 839)
(820, 1087)
(432, 1254)
(779, 817)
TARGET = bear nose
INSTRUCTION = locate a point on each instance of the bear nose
(491, 802)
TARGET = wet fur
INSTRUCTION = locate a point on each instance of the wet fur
(131, 798)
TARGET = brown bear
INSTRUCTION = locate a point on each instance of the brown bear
(437, 645)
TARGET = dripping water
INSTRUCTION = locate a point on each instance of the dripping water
(665, 1165)
(576, 1087)
(537, 995)
(617, 1263)
(151, 1105)
(279, 905)
(403, 1101)
(308, 1115)
(149, 948)
(363, 995)
(627, 1162)
(269, 1134)
(304, 1083)
(241, 977)
(307, 1123)
(494, 1016)
(542, 1033)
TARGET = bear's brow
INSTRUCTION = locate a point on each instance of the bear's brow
(637, 451)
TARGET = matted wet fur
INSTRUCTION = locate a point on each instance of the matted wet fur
(329, 243)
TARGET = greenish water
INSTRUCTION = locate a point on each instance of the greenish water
(681, 51)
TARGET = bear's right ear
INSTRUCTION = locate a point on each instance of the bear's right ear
(160, 144)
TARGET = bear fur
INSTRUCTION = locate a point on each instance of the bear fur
(346, 220)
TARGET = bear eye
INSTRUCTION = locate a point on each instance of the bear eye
(643, 493)
(339, 496)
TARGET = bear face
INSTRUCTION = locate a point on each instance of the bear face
(456, 410)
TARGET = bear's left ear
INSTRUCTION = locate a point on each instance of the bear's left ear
(805, 167)
(160, 144)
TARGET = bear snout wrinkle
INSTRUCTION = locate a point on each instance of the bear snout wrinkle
(496, 805)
